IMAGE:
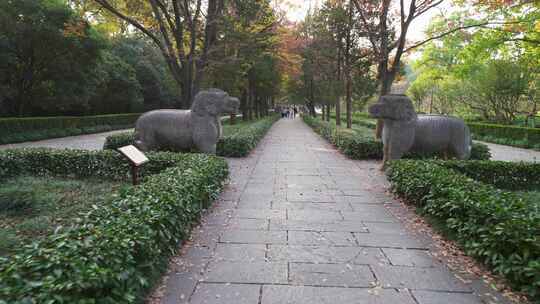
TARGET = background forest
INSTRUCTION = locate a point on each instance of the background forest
(77, 58)
(479, 59)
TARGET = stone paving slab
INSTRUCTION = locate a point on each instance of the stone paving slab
(327, 295)
(384, 228)
(418, 278)
(412, 258)
(310, 205)
(318, 238)
(430, 297)
(240, 252)
(246, 272)
(326, 254)
(260, 214)
(254, 237)
(249, 224)
(319, 216)
(300, 223)
(338, 226)
(389, 241)
(225, 294)
(338, 275)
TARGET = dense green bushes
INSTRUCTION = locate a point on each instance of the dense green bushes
(121, 246)
(503, 175)
(14, 130)
(359, 143)
(118, 140)
(238, 140)
(499, 228)
(506, 135)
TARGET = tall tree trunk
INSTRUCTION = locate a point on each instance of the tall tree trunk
(349, 102)
(244, 104)
(348, 85)
(328, 112)
(186, 97)
(338, 97)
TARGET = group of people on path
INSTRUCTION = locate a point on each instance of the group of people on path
(289, 112)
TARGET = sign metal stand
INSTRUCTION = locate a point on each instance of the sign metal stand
(136, 159)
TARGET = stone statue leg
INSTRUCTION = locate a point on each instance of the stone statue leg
(392, 154)
(386, 148)
(206, 147)
(205, 143)
(445, 154)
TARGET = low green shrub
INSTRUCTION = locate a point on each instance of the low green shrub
(118, 249)
(16, 200)
(115, 141)
(359, 142)
(13, 130)
(506, 135)
(497, 227)
(359, 118)
(501, 174)
(237, 141)
(245, 139)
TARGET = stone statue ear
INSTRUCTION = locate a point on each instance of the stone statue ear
(406, 112)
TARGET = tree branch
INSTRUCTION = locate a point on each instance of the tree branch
(445, 34)
(131, 21)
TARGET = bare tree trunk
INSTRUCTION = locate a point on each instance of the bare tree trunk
(244, 104)
(348, 85)
(328, 112)
(338, 97)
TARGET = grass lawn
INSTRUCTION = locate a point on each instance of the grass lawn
(33, 207)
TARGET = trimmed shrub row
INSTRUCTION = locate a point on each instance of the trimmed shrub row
(245, 139)
(501, 174)
(238, 143)
(360, 144)
(360, 119)
(506, 135)
(13, 130)
(120, 247)
(497, 227)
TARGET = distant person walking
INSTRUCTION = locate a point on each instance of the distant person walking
(295, 112)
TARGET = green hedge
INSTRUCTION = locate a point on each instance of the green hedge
(237, 141)
(503, 175)
(358, 118)
(359, 142)
(13, 130)
(506, 135)
(498, 227)
(245, 139)
(121, 247)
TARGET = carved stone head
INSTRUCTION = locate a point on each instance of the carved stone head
(214, 102)
(394, 107)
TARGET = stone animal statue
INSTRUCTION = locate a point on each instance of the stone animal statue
(404, 131)
(181, 130)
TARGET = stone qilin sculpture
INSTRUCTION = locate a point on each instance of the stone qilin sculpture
(181, 130)
(405, 131)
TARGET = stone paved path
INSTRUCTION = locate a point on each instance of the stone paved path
(84, 142)
(508, 153)
(300, 223)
